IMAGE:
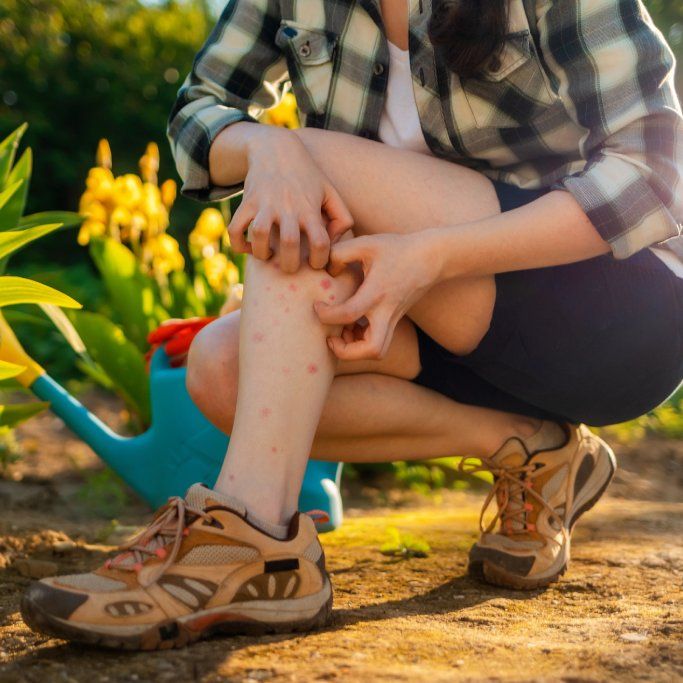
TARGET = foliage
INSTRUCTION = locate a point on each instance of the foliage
(404, 545)
(147, 278)
(15, 234)
(73, 66)
(103, 493)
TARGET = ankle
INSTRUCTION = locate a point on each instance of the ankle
(527, 427)
(269, 509)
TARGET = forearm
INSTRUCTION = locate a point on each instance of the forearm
(550, 231)
(235, 147)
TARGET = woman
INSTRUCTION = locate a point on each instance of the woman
(472, 247)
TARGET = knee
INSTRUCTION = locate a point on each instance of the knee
(212, 367)
(312, 283)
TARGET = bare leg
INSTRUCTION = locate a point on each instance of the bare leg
(372, 413)
(391, 190)
(285, 371)
(387, 191)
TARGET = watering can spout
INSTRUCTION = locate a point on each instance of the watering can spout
(77, 417)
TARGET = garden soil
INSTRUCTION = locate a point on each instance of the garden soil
(616, 615)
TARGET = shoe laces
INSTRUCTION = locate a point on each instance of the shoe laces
(170, 525)
(512, 486)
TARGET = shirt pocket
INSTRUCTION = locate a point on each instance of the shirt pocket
(309, 53)
(512, 89)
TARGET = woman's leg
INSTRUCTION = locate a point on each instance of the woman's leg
(397, 191)
(285, 368)
(372, 413)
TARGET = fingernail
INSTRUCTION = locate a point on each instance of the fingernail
(329, 343)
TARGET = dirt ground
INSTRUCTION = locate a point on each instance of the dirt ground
(616, 615)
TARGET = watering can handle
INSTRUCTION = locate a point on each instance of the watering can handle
(12, 351)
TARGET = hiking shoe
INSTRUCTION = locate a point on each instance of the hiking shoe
(199, 568)
(540, 496)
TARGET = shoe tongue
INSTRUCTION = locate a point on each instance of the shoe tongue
(513, 453)
(200, 496)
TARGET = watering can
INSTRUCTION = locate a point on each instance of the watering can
(180, 448)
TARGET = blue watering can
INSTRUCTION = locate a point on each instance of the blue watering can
(180, 448)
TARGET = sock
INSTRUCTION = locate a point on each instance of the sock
(198, 494)
(550, 435)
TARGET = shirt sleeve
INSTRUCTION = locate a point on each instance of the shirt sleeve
(614, 74)
(234, 71)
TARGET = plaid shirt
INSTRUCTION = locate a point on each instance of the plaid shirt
(582, 98)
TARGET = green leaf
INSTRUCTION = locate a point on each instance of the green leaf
(9, 370)
(19, 290)
(68, 219)
(118, 357)
(65, 326)
(132, 293)
(8, 150)
(15, 239)
(14, 209)
(11, 416)
(13, 316)
(8, 210)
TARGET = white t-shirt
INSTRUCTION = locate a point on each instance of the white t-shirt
(400, 127)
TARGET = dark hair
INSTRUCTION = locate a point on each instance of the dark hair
(468, 33)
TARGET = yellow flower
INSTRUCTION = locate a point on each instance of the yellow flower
(127, 190)
(284, 114)
(220, 272)
(149, 163)
(93, 209)
(165, 253)
(103, 156)
(169, 191)
(89, 229)
(100, 183)
(210, 224)
(121, 217)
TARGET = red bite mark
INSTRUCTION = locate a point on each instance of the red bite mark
(332, 297)
(326, 284)
(286, 370)
(292, 287)
(273, 449)
(257, 337)
(312, 368)
(265, 412)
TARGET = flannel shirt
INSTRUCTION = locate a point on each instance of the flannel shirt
(581, 98)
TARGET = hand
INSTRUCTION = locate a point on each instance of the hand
(397, 271)
(285, 187)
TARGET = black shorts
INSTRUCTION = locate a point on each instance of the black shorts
(600, 341)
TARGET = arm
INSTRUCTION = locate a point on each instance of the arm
(550, 231)
(218, 145)
(614, 73)
(229, 76)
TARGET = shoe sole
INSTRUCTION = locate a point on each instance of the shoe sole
(175, 633)
(490, 573)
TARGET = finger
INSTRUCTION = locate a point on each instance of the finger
(237, 227)
(318, 242)
(370, 346)
(290, 244)
(339, 217)
(347, 334)
(344, 253)
(259, 235)
(350, 311)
